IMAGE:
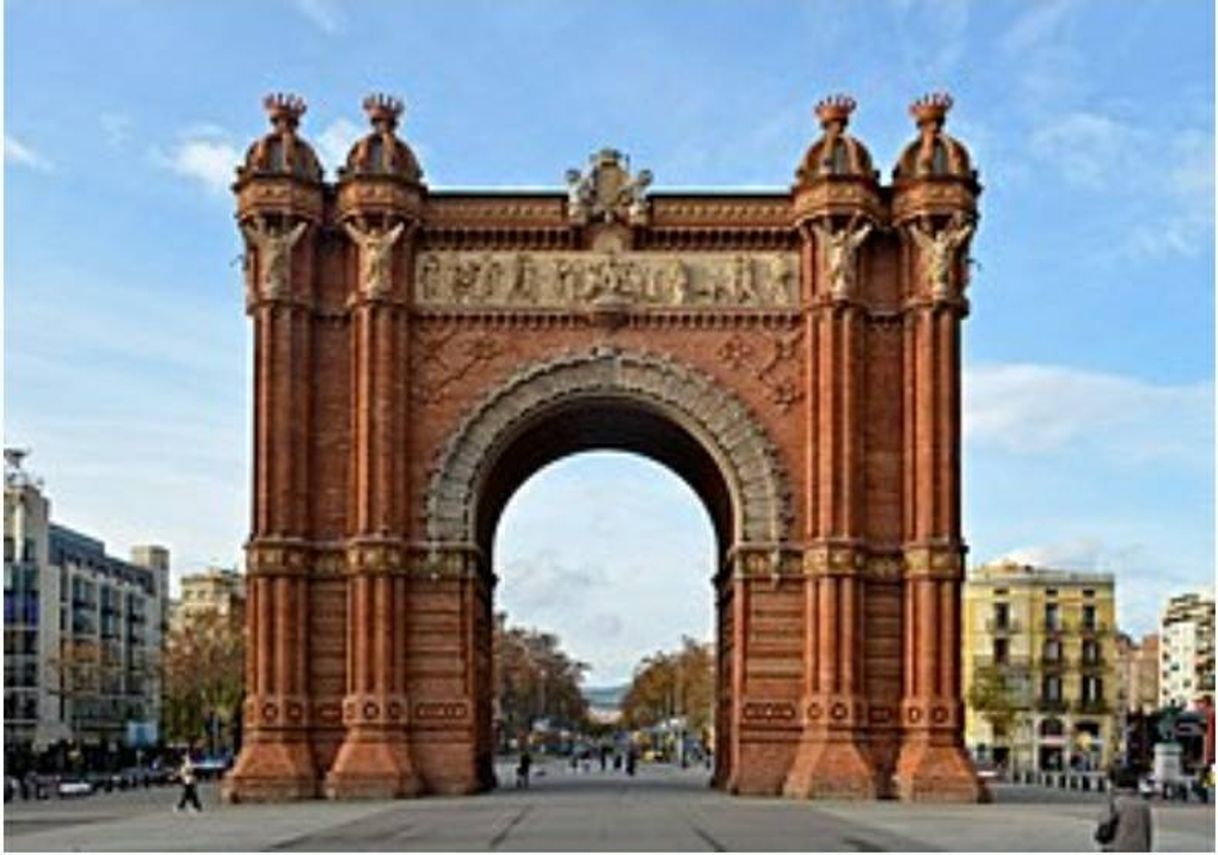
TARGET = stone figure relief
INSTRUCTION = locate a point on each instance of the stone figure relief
(838, 254)
(274, 248)
(565, 279)
(938, 250)
(375, 256)
(607, 192)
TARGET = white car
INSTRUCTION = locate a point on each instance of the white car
(75, 787)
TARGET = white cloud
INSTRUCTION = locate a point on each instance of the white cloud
(322, 13)
(1040, 23)
(207, 159)
(335, 141)
(1043, 409)
(20, 154)
(1165, 176)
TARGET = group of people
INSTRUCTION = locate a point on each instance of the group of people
(583, 759)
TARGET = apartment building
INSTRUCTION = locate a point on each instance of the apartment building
(84, 630)
(1186, 651)
(1050, 636)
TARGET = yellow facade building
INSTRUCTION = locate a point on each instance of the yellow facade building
(1051, 637)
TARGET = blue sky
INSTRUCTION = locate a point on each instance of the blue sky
(1089, 355)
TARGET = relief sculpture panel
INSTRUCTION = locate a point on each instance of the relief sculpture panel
(563, 280)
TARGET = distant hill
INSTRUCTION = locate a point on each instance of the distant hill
(606, 697)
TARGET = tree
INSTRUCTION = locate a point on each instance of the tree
(993, 699)
(204, 674)
(535, 679)
(665, 685)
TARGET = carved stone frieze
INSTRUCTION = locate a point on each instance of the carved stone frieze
(566, 280)
(714, 416)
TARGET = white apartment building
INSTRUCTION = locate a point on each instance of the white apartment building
(1186, 651)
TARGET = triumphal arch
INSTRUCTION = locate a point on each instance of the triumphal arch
(793, 355)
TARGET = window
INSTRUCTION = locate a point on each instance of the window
(10, 548)
(1091, 652)
(1089, 618)
(1053, 621)
(29, 551)
(1051, 688)
(1088, 593)
(1002, 615)
(1053, 650)
(1093, 690)
(1001, 646)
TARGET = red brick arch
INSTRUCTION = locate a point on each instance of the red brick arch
(794, 355)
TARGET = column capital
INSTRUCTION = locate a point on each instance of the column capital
(935, 560)
(278, 556)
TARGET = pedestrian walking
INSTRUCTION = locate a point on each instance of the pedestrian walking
(631, 760)
(190, 787)
(522, 769)
(1125, 825)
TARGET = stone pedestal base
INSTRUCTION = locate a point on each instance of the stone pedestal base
(367, 769)
(271, 772)
(928, 772)
(831, 767)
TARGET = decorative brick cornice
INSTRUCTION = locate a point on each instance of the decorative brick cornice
(935, 561)
(938, 196)
(276, 712)
(835, 712)
(278, 557)
(374, 710)
(384, 195)
(285, 196)
(840, 196)
(932, 713)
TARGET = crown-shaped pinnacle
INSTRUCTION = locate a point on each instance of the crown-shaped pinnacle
(931, 109)
(835, 110)
(284, 109)
(383, 110)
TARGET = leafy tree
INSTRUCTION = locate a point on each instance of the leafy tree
(204, 673)
(535, 679)
(991, 697)
(680, 683)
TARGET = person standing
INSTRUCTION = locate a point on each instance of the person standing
(522, 769)
(190, 786)
(1126, 824)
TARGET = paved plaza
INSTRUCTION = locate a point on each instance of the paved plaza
(661, 809)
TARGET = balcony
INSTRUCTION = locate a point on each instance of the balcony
(1051, 705)
(1097, 706)
(1008, 664)
(1095, 627)
(997, 627)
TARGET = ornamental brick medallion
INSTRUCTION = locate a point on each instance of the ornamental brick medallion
(419, 353)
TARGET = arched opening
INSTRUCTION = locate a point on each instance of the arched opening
(613, 555)
(656, 447)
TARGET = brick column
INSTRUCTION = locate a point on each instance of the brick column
(276, 762)
(374, 760)
(933, 763)
(831, 761)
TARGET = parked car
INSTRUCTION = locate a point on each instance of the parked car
(71, 786)
(212, 767)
